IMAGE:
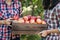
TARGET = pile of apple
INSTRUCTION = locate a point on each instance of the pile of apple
(30, 19)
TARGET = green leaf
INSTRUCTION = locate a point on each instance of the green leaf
(33, 37)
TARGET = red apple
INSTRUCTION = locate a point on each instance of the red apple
(26, 21)
(38, 21)
(29, 17)
(43, 22)
(16, 17)
(21, 20)
(38, 17)
(25, 18)
(33, 17)
(32, 21)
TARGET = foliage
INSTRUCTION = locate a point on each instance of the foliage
(33, 7)
(30, 37)
(23, 37)
(33, 37)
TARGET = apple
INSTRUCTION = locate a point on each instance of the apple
(32, 21)
(21, 20)
(33, 17)
(29, 17)
(38, 17)
(25, 18)
(26, 21)
(16, 17)
(43, 22)
(38, 21)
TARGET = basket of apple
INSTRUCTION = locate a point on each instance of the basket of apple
(29, 23)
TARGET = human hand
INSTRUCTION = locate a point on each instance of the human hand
(44, 33)
(8, 21)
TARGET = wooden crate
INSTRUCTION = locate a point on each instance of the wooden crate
(24, 28)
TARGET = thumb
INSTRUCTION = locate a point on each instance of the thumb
(40, 33)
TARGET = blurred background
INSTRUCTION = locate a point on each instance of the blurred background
(33, 7)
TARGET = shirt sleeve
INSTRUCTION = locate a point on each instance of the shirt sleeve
(20, 8)
(58, 15)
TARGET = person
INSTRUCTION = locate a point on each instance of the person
(1, 1)
(8, 9)
(52, 18)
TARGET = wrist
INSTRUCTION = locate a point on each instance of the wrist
(1, 22)
(48, 31)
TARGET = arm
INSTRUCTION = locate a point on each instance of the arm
(7, 21)
(3, 22)
(56, 30)
(53, 31)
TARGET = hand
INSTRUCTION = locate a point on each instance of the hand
(44, 33)
(8, 21)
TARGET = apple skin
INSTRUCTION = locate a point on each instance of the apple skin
(16, 17)
(21, 20)
(29, 17)
(38, 21)
(32, 21)
(38, 17)
(43, 22)
(26, 21)
(33, 17)
(25, 18)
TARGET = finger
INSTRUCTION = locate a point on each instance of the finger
(43, 35)
(40, 33)
(11, 18)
